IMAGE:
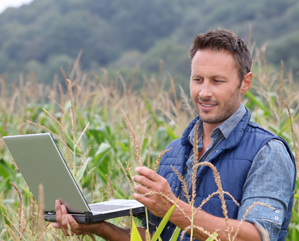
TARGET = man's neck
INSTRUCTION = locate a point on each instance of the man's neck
(207, 131)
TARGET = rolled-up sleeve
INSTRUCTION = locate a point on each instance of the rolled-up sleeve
(269, 181)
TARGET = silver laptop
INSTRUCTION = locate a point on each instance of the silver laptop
(40, 162)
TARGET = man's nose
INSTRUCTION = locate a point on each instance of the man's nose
(205, 91)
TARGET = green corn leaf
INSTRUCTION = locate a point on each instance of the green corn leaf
(82, 170)
(3, 169)
(257, 102)
(118, 191)
(210, 238)
(149, 107)
(170, 132)
(102, 148)
(4, 185)
(163, 223)
(27, 191)
(100, 155)
(295, 215)
(135, 236)
(175, 235)
(96, 134)
(287, 125)
(295, 235)
(2, 131)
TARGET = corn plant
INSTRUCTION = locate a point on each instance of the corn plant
(84, 111)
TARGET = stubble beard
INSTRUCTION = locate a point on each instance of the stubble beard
(224, 111)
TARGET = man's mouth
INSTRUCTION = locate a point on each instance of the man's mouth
(207, 105)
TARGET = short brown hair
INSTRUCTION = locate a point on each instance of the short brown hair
(222, 39)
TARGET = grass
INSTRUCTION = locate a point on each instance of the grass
(86, 115)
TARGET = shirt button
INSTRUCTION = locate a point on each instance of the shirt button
(276, 218)
(277, 211)
(216, 150)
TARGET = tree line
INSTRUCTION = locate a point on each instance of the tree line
(117, 35)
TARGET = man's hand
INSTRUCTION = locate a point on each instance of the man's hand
(106, 230)
(63, 219)
(152, 182)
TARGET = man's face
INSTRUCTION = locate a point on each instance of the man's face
(214, 85)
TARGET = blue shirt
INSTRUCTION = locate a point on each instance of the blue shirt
(269, 179)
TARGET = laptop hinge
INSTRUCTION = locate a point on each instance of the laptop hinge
(88, 216)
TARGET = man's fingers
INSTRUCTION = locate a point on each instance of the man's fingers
(73, 223)
(145, 200)
(141, 189)
(58, 211)
(55, 225)
(64, 220)
(150, 174)
(144, 181)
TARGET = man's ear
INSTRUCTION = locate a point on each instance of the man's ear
(246, 83)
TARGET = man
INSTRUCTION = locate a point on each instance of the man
(254, 164)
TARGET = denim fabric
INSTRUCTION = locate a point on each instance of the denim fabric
(270, 181)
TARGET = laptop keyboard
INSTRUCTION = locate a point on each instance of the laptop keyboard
(105, 207)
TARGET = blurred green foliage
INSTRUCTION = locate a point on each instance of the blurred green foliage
(51, 33)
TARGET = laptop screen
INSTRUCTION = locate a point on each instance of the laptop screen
(40, 162)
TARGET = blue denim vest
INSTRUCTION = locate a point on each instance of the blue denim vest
(232, 158)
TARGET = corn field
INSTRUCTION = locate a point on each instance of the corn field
(84, 112)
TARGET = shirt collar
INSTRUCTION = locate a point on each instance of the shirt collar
(225, 127)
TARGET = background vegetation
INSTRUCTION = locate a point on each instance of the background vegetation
(111, 39)
(158, 116)
(118, 35)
